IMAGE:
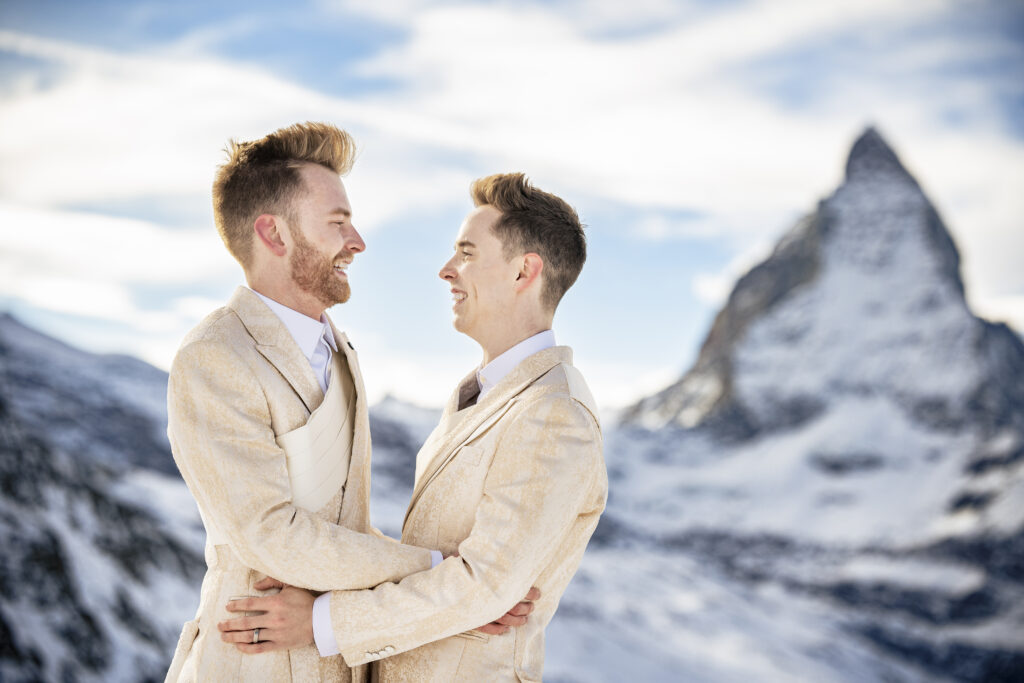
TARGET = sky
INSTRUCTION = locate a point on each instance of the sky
(689, 136)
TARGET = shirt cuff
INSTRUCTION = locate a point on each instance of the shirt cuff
(436, 558)
(323, 631)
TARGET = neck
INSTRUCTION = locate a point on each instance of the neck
(284, 292)
(492, 348)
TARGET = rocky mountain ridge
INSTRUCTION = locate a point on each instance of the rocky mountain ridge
(875, 250)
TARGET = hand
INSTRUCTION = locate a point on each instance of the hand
(286, 621)
(514, 617)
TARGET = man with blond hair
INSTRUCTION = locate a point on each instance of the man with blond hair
(511, 483)
(267, 414)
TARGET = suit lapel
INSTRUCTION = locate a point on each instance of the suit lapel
(354, 511)
(451, 416)
(458, 429)
(277, 345)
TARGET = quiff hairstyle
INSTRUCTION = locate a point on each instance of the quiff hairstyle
(262, 176)
(534, 221)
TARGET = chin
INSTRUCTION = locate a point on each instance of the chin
(341, 296)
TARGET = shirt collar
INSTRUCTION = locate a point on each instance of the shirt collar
(495, 371)
(306, 331)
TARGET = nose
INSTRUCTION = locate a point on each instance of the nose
(354, 242)
(447, 270)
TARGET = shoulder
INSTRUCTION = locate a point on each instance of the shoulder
(222, 325)
(564, 384)
(219, 337)
(558, 406)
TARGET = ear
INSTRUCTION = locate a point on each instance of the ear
(268, 232)
(530, 267)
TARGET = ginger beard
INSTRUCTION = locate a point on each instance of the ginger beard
(314, 273)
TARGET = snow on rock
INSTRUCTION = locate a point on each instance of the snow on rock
(849, 441)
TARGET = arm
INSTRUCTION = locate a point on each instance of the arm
(219, 427)
(538, 483)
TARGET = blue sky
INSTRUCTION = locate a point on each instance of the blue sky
(689, 135)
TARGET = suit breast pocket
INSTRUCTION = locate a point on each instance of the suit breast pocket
(474, 635)
(469, 456)
(456, 494)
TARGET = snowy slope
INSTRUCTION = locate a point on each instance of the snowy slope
(61, 391)
(851, 438)
(99, 567)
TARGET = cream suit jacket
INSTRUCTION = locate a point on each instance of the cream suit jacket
(238, 381)
(515, 484)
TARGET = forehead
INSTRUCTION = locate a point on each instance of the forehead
(476, 228)
(323, 189)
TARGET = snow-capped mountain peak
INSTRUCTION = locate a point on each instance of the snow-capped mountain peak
(861, 297)
(872, 158)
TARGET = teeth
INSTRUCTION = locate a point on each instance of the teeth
(458, 297)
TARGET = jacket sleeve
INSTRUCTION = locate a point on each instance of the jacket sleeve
(219, 428)
(542, 477)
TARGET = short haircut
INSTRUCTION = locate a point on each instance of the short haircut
(262, 176)
(539, 222)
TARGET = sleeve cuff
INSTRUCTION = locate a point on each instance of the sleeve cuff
(436, 558)
(323, 631)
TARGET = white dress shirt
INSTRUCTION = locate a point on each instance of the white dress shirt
(314, 337)
(487, 377)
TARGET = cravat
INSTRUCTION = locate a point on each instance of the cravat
(321, 362)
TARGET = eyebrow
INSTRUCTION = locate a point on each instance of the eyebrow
(343, 212)
(465, 243)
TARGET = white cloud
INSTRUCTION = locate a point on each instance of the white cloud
(93, 246)
(645, 120)
(390, 182)
(1006, 309)
(714, 288)
(126, 126)
(619, 384)
(90, 265)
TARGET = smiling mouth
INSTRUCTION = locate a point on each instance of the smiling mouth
(458, 297)
(341, 267)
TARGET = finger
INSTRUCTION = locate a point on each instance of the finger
(511, 620)
(257, 648)
(522, 609)
(493, 629)
(250, 604)
(240, 605)
(242, 624)
(268, 583)
(246, 636)
(534, 594)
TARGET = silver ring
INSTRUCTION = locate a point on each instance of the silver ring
(255, 635)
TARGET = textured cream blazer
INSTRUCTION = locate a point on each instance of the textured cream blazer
(239, 381)
(515, 484)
